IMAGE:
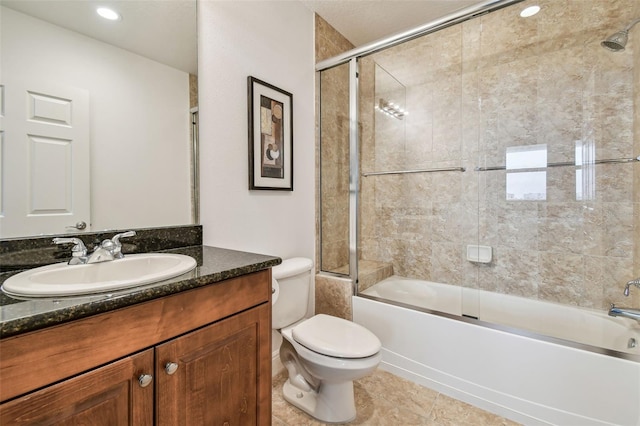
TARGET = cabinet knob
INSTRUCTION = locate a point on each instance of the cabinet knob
(171, 367)
(145, 380)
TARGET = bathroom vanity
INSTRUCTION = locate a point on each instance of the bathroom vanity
(184, 351)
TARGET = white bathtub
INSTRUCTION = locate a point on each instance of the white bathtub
(520, 375)
(580, 325)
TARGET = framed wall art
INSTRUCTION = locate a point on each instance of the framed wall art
(270, 137)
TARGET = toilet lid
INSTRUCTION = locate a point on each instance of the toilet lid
(336, 337)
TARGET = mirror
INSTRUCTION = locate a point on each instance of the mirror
(97, 116)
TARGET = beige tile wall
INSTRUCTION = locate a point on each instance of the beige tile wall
(475, 89)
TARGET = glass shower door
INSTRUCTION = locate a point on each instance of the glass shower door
(334, 170)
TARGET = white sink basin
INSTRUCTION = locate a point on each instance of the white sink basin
(133, 270)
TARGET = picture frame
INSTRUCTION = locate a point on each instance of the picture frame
(270, 137)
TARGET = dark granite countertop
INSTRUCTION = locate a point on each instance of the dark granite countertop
(19, 316)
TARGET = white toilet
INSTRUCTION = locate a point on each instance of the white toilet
(322, 354)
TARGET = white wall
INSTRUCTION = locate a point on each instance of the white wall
(272, 41)
(139, 119)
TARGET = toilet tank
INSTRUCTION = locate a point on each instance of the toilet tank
(293, 279)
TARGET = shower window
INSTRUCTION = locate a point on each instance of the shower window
(523, 183)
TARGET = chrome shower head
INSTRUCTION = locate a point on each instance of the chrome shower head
(618, 41)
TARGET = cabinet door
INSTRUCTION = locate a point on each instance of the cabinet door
(223, 374)
(107, 396)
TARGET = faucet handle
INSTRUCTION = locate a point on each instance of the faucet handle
(117, 249)
(116, 238)
(78, 247)
(78, 251)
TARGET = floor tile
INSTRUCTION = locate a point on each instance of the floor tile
(385, 399)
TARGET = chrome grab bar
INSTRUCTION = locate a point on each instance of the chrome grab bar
(403, 172)
(562, 164)
(492, 168)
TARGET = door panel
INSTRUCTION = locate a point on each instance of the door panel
(50, 183)
(218, 378)
(45, 164)
(107, 396)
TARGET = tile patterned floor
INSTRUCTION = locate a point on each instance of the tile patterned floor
(385, 399)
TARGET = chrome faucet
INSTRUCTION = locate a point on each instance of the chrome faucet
(635, 282)
(102, 253)
(107, 250)
(624, 312)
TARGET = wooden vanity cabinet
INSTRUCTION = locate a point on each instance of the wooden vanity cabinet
(216, 380)
(108, 395)
(209, 362)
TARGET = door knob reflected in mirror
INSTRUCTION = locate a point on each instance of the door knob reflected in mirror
(79, 226)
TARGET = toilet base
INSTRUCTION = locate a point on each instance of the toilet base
(332, 403)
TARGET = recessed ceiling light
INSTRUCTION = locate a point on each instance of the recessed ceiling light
(530, 11)
(109, 14)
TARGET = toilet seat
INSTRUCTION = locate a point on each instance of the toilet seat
(336, 337)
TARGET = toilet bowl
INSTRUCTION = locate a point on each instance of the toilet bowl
(322, 354)
(326, 392)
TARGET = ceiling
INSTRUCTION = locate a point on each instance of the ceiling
(365, 21)
(174, 42)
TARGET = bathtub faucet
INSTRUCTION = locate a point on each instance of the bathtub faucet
(624, 312)
(635, 282)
